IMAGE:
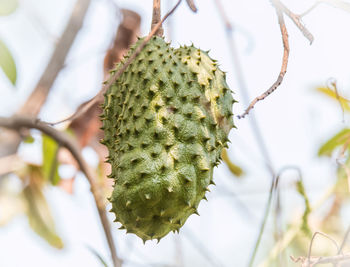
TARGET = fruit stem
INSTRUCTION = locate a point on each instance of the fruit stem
(156, 17)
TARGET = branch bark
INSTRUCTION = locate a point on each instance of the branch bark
(99, 97)
(191, 5)
(18, 123)
(156, 17)
(39, 95)
(284, 61)
(297, 21)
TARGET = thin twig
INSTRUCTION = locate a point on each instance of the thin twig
(346, 236)
(284, 62)
(191, 5)
(297, 21)
(312, 241)
(156, 17)
(335, 260)
(254, 124)
(309, 9)
(64, 140)
(243, 86)
(273, 188)
(313, 261)
(294, 230)
(264, 220)
(82, 109)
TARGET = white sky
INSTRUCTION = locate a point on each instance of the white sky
(294, 120)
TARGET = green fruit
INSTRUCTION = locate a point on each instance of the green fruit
(166, 120)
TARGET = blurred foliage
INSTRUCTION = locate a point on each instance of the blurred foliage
(50, 162)
(11, 202)
(26, 197)
(37, 210)
(301, 190)
(7, 63)
(334, 95)
(331, 222)
(28, 139)
(7, 7)
(235, 169)
(340, 139)
(297, 236)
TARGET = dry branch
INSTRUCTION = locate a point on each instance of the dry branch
(39, 95)
(156, 17)
(191, 5)
(18, 123)
(284, 62)
(281, 9)
(297, 21)
(313, 261)
(99, 97)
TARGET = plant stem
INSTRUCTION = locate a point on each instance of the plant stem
(156, 18)
(19, 122)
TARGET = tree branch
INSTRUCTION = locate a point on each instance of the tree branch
(39, 95)
(297, 21)
(99, 97)
(19, 122)
(284, 61)
(35, 101)
(156, 17)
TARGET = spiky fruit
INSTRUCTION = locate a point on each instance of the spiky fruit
(166, 120)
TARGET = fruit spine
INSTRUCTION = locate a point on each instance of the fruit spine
(166, 120)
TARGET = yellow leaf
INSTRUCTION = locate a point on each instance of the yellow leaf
(332, 94)
(39, 214)
(236, 170)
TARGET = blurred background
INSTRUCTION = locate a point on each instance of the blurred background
(298, 134)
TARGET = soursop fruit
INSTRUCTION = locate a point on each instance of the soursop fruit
(166, 120)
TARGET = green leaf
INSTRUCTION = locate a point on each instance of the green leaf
(339, 139)
(236, 170)
(7, 7)
(28, 139)
(50, 163)
(332, 94)
(38, 211)
(301, 190)
(7, 63)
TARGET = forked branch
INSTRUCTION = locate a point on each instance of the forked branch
(282, 9)
(285, 57)
(297, 21)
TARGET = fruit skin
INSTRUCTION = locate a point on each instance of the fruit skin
(166, 120)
